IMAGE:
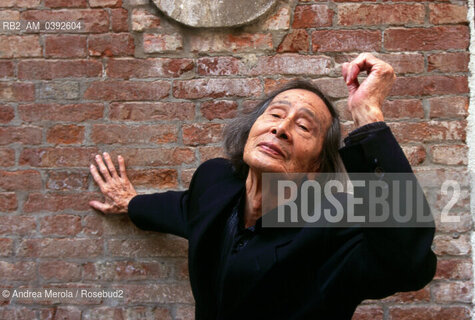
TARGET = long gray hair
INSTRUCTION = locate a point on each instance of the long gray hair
(237, 131)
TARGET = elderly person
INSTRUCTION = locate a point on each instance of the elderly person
(242, 270)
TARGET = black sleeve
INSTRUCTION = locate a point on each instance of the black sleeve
(387, 259)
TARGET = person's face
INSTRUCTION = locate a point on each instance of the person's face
(288, 136)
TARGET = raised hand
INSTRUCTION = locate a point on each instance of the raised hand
(365, 99)
(117, 190)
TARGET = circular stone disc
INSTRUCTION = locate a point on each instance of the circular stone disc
(214, 13)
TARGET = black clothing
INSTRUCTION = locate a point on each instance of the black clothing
(288, 273)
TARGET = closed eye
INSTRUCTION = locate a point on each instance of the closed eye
(303, 127)
(275, 115)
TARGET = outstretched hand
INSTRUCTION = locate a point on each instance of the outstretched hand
(117, 190)
(365, 99)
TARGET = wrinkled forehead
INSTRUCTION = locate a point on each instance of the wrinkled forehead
(301, 98)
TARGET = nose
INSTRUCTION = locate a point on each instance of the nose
(282, 130)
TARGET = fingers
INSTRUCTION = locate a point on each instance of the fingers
(97, 177)
(103, 207)
(110, 165)
(102, 168)
(121, 161)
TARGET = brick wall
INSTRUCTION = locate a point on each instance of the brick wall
(135, 83)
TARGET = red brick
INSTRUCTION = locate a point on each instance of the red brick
(429, 85)
(433, 38)
(454, 291)
(20, 46)
(431, 177)
(20, 180)
(444, 13)
(58, 90)
(67, 180)
(7, 113)
(242, 42)
(154, 178)
(185, 312)
(25, 135)
(7, 157)
(65, 134)
(403, 108)
(111, 44)
(464, 222)
(119, 20)
(148, 68)
(60, 312)
(55, 69)
(249, 105)
(457, 269)
(332, 87)
(380, 14)
(20, 3)
(186, 175)
(142, 20)
(216, 88)
(158, 246)
(105, 3)
(93, 225)
(121, 226)
(125, 270)
(280, 20)
(429, 312)
(153, 293)
(136, 111)
(219, 66)
(449, 154)
(448, 62)
(295, 41)
(270, 85)
(159, 43)
(17, 312)
(127, 90)
(292, 64)
(422, 295)
(57, 157)
(6, 249)
(60, 248)
(19, 271)
(105, 313)
(65, 46)
(430, 131)
(7, 69)
(181, 269)
(368, 312)
(415, 154)
(210, 152)
(17, 91)
(346, 40)
(59, 271)
(199, 134)
(457, 245)
(60, 224)
(54, 202)
(8, 201)
(65, 3)
(312, 16)
(156, 156)
(126, 134)
(92, 20)
(57, 112)
(17, 225)
(221, 109)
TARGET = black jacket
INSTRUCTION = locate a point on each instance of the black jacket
(292, 273)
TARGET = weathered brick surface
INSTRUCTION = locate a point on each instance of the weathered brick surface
(134, 83)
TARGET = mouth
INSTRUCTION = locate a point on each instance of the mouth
(271, 148)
